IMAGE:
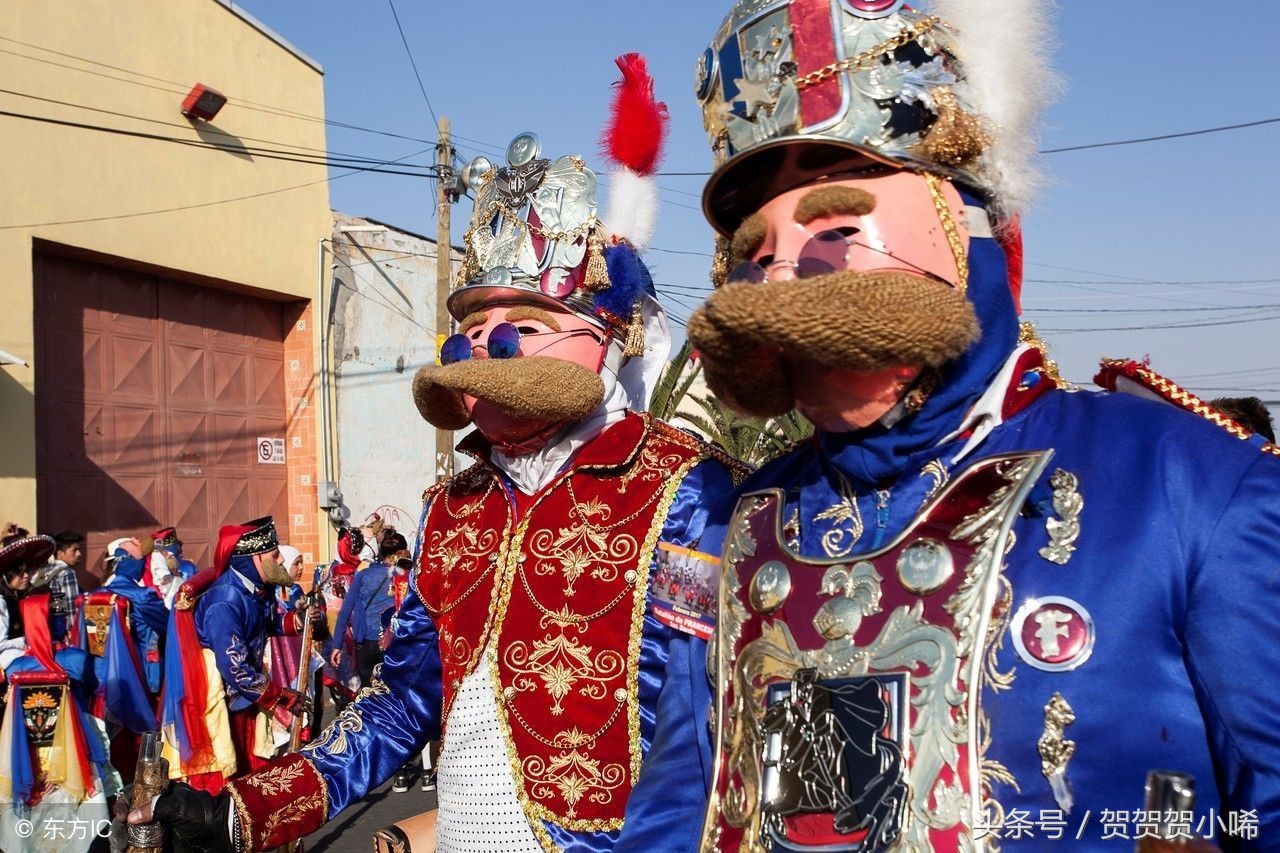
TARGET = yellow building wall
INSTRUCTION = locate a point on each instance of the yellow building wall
(231, 216)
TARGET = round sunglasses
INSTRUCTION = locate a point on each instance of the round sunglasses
(503, 342)
(825, 252)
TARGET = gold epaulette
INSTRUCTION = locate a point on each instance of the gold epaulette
(1171, 392)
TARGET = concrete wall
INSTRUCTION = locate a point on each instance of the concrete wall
(102, 193)
(383, 330)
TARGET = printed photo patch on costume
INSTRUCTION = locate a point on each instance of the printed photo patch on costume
(684, 589)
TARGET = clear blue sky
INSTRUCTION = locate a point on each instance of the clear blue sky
(1129, 236)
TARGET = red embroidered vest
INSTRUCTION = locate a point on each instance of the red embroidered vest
(557, 597)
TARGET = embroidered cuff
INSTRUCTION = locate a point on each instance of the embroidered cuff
(281, 803)
(270, 696)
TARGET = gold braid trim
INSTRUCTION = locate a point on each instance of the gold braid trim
(1175, 393)
(243, 818)
(1027, 335)
(738, 470)
(536, 813)
(324, 786)
(641, 601)
(958, 250)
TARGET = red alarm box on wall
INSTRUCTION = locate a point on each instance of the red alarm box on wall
(202, 102)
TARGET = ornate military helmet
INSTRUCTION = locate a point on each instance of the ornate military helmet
(535, 235)
(805, 89)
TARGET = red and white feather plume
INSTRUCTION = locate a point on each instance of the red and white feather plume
(633, 141)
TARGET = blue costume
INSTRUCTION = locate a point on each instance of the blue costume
(1170, 581)
(404, 707)
(148, 617)
(234, 617)
(529, 642)
(410, 689)
(931, 632)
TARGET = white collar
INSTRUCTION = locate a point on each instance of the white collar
(248, 584)
(988, 412)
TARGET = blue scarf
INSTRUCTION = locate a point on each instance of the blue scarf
(875, 457)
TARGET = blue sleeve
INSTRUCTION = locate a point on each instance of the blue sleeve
(149, 610)
(222, 624)
(1233, 620)
(666, 806)
(392, 719)
(344, 614)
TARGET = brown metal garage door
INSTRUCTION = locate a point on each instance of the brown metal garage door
(150, 397)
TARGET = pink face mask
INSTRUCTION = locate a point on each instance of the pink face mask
(509, 332)
(903, 232)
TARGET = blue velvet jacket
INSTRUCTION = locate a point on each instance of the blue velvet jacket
(234, 617)
(1176, 561)
(149, 619)
(393, 721)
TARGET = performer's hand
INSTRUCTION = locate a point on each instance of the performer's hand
(294, 702)
(197, 822)
(335, 657)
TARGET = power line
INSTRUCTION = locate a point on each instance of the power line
(1189, 309)
(1158, 281)
(326, 153)
(193, 143)
(1111, 144)
(179, 90)
(435, 121)
(1149, 328)
(1162, 136)
(680, 252)
(206, 203)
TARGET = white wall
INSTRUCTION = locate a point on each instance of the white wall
(384, 323)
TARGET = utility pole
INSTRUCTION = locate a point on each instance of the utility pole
(444, 274)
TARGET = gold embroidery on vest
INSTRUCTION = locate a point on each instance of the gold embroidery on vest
(583, 545)
(572, 774)
(560, 663)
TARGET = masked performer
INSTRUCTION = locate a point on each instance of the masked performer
(167, 568)
(871, 163)
(526, 636)
(224, 617)
(122, 627)
(54, 774)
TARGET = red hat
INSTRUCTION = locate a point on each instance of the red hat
(165, 537)
(32, 551)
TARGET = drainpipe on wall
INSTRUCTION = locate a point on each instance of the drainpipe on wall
(328, 494)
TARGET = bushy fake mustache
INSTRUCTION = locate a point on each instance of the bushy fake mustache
(858, 321)
(536, 388)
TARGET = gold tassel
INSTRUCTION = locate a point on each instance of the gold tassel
(635, 332)
(470, 266)
(597, 277)
(957, 137)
